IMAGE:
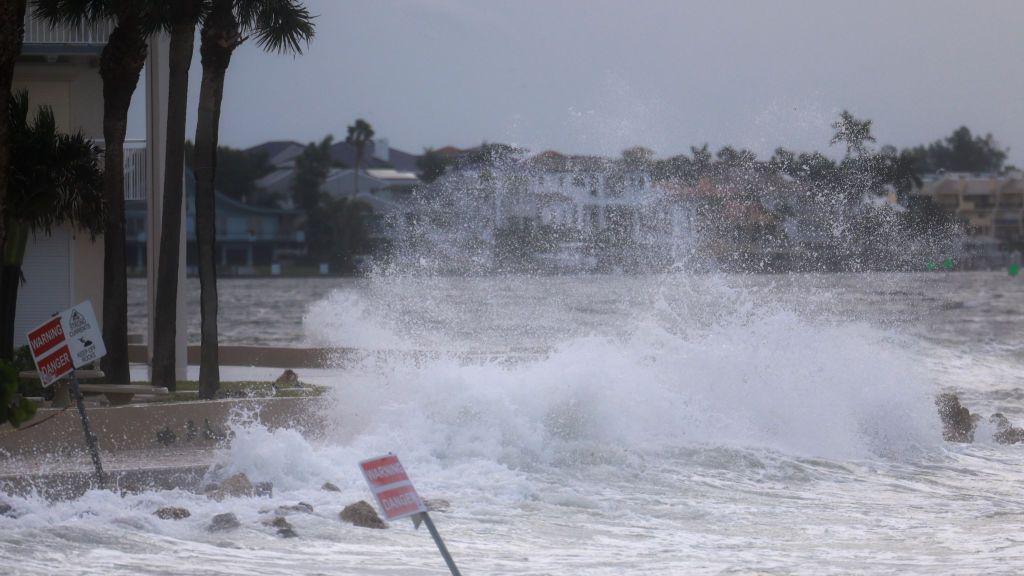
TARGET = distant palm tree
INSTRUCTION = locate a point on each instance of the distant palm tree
(182, 16)
(853, 132)
(54, 178)
(12, 30)
(358, 135)
(120, 65)
(277, 25)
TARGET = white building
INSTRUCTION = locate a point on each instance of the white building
(59, 68)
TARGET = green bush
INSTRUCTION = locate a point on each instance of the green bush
(14, 408)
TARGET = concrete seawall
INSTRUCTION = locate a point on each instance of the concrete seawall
(143, 446)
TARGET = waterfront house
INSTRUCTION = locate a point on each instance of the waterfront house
(249, 237)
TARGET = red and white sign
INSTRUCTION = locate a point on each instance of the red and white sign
(391, 487)
(67, 341)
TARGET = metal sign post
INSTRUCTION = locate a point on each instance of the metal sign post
(397, 498)
(90, 439)
(70, 340)
(440, 544)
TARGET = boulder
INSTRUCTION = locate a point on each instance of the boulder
(1006, 433)
(166, 436)
(330, 487)
(437, 505)
(363, 515)
(958, 424)
(6, 509)
(283, 526)
(287, 378)
(223, 522)
(172, 513)
(236, 486)
(262, 489)
(301, 507)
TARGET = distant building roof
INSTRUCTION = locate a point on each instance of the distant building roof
(277, 151)
(391, 174)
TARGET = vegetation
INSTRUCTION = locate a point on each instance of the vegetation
(237, 173)
(15, 409)
(182, 15)
(432, 165)
(12, 30)
(275, 25)
(359, 135)
(961, 151)
(53, 179)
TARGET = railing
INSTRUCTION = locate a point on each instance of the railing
(135, 168)
(85, 34)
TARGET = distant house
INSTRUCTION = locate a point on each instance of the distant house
(989, 205)
(248, 236)
(385, 180)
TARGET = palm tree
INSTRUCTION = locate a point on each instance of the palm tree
(54, 178)
(358, 135)
(183, 15)
(853, 132)
(120, 65)
(12, 30)
(277, 25)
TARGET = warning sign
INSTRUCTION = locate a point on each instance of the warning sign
(67, 341)
(391, 487)
(83, 334)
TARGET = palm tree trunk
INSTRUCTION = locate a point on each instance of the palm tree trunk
(180, 55)
(12, 30)
(10, 280)
(120, 64)
(220, 37)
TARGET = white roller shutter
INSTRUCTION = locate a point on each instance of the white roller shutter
(47, 287)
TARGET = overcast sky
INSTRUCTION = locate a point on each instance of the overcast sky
(601, 75)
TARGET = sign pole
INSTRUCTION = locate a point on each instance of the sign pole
(90, 439)
(440, 544)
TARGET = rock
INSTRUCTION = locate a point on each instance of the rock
(437, 505)
(301, 507)
(958, 423)
(172, 513)
(363, 515)
(166, 436)
(287, 378)
(264, 489)
(330, 487)
(213, 432)
(6, 509)
(1006, 433)
(284, 527)
(224, 522)
(236, 486)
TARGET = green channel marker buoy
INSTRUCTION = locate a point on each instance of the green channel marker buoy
(1014, 269)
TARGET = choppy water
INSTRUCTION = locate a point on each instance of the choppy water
(670, 424)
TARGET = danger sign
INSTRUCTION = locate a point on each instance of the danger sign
(67, 341)
(391, 487)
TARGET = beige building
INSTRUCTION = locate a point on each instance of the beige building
(59, 67)
(989, 205)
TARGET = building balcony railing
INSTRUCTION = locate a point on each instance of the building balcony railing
(41, 38)
(135, 168)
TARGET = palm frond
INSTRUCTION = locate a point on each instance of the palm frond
(277, 25)
(72, 12)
